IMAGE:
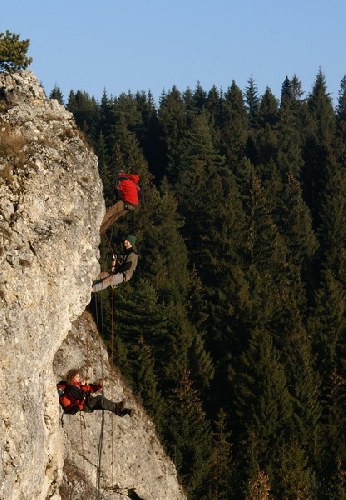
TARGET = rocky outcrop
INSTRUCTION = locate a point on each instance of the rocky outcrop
(107, 456)
(51, 208)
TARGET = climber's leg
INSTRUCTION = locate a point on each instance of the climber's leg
(108, 280)
(102, 403)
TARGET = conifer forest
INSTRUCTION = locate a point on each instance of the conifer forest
(232, 331)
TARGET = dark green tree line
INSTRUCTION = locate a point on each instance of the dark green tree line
(232, 331)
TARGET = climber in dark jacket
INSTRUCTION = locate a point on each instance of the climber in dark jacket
(123, 267)
(76, 397)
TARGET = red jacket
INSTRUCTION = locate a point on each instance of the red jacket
(127, 188)
(72, 397)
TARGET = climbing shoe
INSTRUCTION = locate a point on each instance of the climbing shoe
(120, 406)
(127, 411)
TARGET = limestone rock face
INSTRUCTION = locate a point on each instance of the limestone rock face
(51, 209)
(51, 206)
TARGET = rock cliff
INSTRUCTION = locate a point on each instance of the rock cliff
(117, 456)
(51, 208)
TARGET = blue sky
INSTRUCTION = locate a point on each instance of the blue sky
(130, 45)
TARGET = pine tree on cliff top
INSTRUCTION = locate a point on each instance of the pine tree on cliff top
(13, 52)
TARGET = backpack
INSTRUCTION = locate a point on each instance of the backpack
(126, 187)
(70, 404)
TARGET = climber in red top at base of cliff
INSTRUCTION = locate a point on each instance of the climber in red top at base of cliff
(75, 396)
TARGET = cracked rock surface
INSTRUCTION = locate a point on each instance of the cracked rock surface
(51, 209)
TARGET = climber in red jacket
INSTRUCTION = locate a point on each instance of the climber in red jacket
(126, 194)
(127, 189)
(75, 396)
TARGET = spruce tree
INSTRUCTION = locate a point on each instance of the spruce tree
(214, 108)
(199, 98)
(318, 146)
(291, 91)
(321, 111)
(332, 230)
(141, 319)
(294, 345)
(86, 113)
(294, 221)
(172, 122)
(164, 252)
(198, 188)
(107, 120)
(268, 109)
(189, 436)
(146, 384)
(295, 476)
(103, 166)
(265, 249)
(266, 140)
(341, 123)
(252, 102)
(291, 129)
(234, 124)
(341, 106)
(264, 409)
(57, 94)
(149, 135)
(125, 151)
(222, 470)
(201, 365)
(327, 327)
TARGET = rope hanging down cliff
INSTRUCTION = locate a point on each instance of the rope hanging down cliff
(100, 324)
(100, 442)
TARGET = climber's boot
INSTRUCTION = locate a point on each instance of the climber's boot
(119, 407)
(127, 411)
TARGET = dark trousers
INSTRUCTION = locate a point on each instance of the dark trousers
(102, 403)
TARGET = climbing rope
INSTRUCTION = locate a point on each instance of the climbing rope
(112, 359)
(100, 323)
(82, 424)
(99, 452)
